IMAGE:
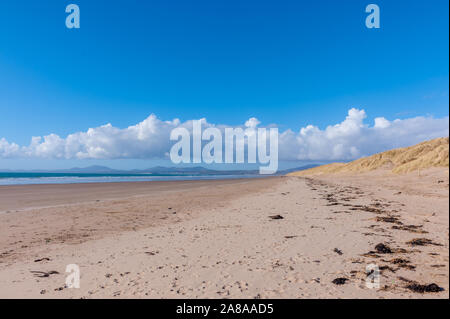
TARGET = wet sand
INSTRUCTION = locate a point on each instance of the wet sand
(22, 197)
(283, 237)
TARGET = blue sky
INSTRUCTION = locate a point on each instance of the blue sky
(292, 63)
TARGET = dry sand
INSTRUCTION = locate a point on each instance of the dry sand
(215, 239)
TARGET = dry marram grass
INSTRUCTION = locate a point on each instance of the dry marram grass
(427, 154)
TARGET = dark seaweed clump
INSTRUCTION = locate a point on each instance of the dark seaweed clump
(339, 281)
(276, 217)
(383, 249)
(424, 288)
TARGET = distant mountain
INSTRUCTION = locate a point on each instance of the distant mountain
(95, 169)
(90, 169)
(173, 170)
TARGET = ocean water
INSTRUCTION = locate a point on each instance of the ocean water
(71, 178)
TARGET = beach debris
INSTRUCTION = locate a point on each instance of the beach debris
(369, 234)
(437, 266)
(337, 251)
(43, 291)
(290, 236)
(416, 287)
(43, 274)
(411, 228)
(376, 203)
(42, 259)
(399, 261)
(388, 219)
(383, 249)
(276, 217)
(422, 242)
(152, 253)
(407, 266)
(385, 267)
(367, 209)
(370, 254)
(332, 204)
(424, 288)
(354, 273)
(340, 281)
(405, 279)
(357, 261)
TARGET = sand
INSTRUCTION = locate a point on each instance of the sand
(216, 239)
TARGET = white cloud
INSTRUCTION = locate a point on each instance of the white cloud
(350, 139)
(8, 149)
(381, 122)
(252, 122)
(353, 138)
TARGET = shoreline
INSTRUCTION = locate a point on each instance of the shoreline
(18, 197)
(68, 180)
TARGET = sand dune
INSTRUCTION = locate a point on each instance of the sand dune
(425, 155)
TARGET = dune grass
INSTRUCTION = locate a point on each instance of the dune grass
(427, 154)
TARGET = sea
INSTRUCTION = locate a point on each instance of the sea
(72, 178)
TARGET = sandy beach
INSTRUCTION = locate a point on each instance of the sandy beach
(217, 158)
(282, 237)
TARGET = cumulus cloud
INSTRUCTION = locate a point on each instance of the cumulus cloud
(347, 140)
(353, 138)
(252, 122)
